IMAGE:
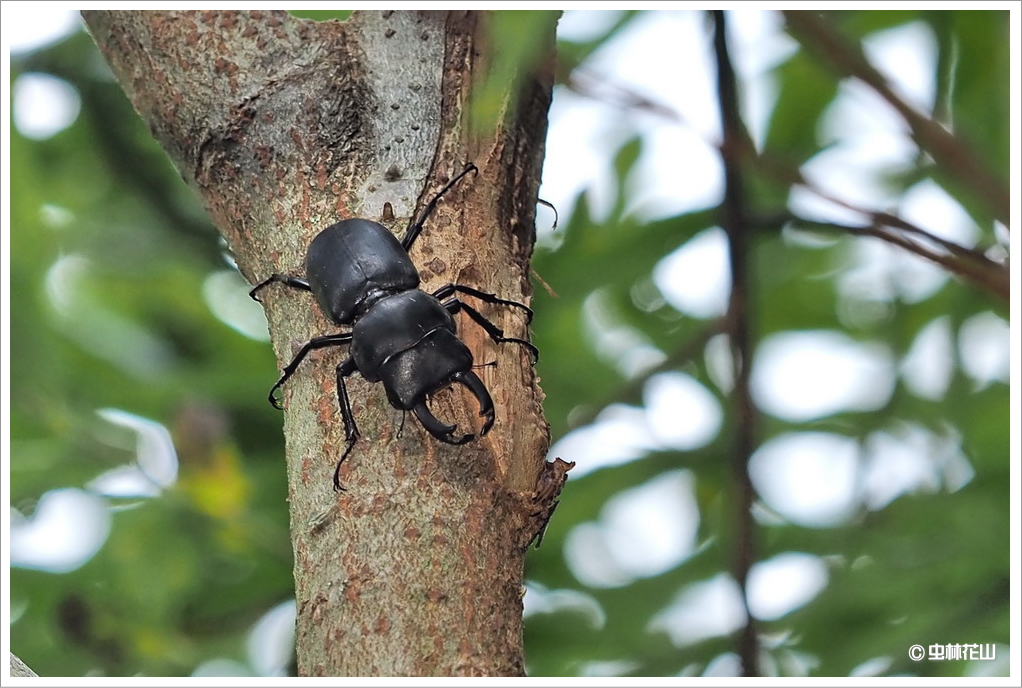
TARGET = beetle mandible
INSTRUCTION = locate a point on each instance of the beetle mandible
(361, 276)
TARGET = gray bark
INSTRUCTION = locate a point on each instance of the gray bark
(19, 669)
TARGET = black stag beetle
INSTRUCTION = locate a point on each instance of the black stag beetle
(363, 277)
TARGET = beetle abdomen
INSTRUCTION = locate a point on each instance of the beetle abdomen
(352, 260)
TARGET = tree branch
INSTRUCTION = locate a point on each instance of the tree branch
(947, 150)
(979, 270)
(734, 214)
(970, 264)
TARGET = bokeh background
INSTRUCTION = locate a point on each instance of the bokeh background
(148, 524)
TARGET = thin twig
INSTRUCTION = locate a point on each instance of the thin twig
(691, 348)
(970, 264)
(592, 84)
(953, 156)
(988, 275)
(734, 221)
(879, 217)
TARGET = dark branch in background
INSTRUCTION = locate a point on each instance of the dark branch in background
(970, 264)
(949, 152)
(734, 219)
(995, 281)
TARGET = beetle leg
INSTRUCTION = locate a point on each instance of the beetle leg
(294, 282)
(437, 429)
(351, 434)
(414, 229)
(445, 291)
(496, 334)
(315, 343)
(482, 395)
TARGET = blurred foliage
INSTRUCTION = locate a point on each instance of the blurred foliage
(928, 568)
(321, 15)
(510, 61)
(110, 265)
(110, 253)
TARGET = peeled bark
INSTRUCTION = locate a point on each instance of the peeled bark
(285, 126)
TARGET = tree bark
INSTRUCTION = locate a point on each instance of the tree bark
(285, 126)
(19, 669)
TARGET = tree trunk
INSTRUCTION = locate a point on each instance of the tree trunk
(285, 126)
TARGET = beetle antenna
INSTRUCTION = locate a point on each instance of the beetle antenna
(415, 229)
